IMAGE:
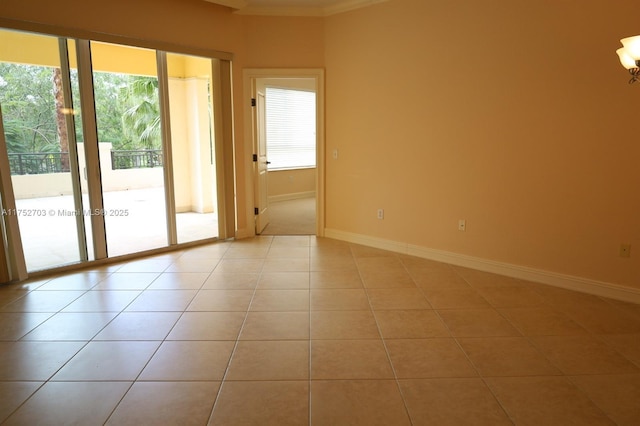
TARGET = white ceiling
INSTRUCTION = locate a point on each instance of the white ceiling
(294, 7)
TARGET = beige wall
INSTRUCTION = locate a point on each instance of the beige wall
(515, 116)
(277, 42)
(289, 184)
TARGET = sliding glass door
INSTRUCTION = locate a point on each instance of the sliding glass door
(40, 139)
(125, 82)
(136, 167)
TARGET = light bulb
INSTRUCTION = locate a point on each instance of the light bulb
(625, 59)
(632, 47)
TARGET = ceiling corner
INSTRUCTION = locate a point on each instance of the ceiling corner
(347, 5)
(316, 8)
(234, 4)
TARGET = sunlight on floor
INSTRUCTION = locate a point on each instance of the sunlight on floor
(135, 221)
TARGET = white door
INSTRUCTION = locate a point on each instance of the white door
(260, 164)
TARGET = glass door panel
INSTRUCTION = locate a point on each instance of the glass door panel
(193, 146)
(131, 156)
(53, 146)
(37, 116)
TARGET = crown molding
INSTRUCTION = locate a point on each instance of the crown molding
(281, 11)
(243, 8)
(234, 4)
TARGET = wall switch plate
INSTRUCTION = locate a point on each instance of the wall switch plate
(625, 250)
(462, 225)
(335, 154)
(380, 213)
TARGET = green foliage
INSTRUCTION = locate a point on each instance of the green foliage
(108, 109)
(26, 96)
(13, 137)
(141, 120)
(127, 109)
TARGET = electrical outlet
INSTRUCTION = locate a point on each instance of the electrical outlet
(380, 213)
(462, 225)
(625, 250)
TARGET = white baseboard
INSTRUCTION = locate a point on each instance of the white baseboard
(585, 285)
(294, 196)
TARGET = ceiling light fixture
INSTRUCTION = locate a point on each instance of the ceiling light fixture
(629, 56)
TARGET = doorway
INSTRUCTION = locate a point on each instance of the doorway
(285, 133)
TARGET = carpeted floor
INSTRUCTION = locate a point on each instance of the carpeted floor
(293, 217)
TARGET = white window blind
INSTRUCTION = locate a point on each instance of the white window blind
(291, 128)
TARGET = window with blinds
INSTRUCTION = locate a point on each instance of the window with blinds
(291, 128)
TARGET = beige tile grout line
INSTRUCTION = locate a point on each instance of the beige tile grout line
(163, 340)
(235, 345)
(455, 339)
(384, 343)
(529, 340)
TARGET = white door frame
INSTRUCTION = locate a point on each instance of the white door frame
(249, 77)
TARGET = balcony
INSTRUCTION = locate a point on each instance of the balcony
(132, 182)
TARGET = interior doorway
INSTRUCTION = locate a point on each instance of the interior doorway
(286, 138)
(289, 116)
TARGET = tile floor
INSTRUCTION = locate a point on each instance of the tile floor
(299, 330)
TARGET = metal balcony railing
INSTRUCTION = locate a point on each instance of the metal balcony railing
(36, 163)
(136, 159)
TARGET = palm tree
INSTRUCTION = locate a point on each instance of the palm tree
(141, 120)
